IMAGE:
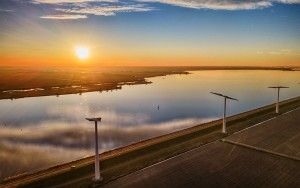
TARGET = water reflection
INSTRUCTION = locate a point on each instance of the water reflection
(51, 130)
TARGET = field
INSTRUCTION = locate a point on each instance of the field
(29, 82)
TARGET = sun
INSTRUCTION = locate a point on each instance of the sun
(82, 52)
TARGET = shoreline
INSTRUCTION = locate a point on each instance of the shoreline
(67, 82)
(121, 161)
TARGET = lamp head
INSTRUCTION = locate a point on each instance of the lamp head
(94, 119)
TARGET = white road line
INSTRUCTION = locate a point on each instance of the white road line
(261, 149)
(264, 121)
(140, 170)
(218, 139)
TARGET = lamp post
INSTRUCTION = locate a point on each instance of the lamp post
(97, 167)
(278, 97)
(224, 131)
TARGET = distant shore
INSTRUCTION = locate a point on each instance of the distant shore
(24, 82)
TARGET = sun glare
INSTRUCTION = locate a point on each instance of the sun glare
(82, 52)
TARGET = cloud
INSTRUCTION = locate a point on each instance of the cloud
(288, 1)
(106, 10)
(64, 17)
(278, 52)
(79, 9)
(69, 1)
(80, 136)
(6, 10)
(34, 157)
(108, 116)
(222, 4)
(36, 143)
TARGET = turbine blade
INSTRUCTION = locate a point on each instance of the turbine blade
(93, 119)
(219, 94)
(232, 98)
(276, 87)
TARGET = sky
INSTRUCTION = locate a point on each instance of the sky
(150, 32)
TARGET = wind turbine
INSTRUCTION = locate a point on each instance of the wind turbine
(278, 91)
(225, 103)
(98, 178)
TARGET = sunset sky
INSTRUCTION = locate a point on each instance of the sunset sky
(150, 32)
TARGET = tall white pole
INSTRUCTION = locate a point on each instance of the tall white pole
(278, 95)
(98, 177)
(277, 104)
(224, 117)
(224, 131)
(97, 168)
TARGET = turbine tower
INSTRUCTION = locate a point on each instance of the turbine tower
(278, 92)
(225, 104)
(98, 178)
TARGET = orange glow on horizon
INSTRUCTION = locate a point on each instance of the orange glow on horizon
(110, 56)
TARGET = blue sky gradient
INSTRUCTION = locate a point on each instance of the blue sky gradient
(156, 30)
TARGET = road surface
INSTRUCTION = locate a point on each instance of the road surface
(266, 155)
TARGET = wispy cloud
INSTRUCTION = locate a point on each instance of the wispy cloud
(64, 17)
(106, 10)
(288, 1)
(79, 135)
(222, 4)
(278, 52)
(6, 10)
(79, 9)
(70, 142)
(69, 1)
(29, 162)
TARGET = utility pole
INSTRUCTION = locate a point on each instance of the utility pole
(224, 131)
(278, 97)
(98, 177)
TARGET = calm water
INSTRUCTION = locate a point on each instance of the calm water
(42, 131)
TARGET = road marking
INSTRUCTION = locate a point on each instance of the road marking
(222, 139)
(261, 149)
(264, 121)
(145, 168)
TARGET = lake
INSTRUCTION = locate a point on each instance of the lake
(39, 132)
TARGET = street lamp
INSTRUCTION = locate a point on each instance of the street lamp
(224, 131)
(278, 91)
(97, 167)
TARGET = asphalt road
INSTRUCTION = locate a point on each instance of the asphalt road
(222, 164)
(281, 135)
